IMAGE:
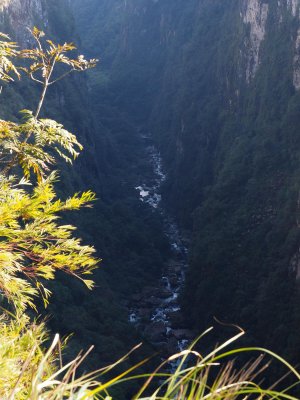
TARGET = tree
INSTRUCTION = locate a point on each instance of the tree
(33, 244)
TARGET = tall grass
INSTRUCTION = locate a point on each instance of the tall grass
(212, 376)
(215, 375)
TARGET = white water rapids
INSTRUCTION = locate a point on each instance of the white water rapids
(153, 312)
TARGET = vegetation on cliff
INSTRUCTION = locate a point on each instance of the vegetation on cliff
(111, 165)
(230, 144)
(34, 245)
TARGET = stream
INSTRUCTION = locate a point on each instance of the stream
(156, 312)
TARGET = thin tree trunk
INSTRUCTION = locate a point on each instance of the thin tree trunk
(37, 113)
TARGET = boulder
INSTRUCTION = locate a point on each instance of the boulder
(173, 279)
(176, 320)
(152, 301)
(171, 347)
(165, 293)
(155, 332)
(180, 334)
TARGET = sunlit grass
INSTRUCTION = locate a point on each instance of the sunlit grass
(213, 376)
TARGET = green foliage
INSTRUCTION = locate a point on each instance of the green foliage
(34, 245)
(8, 50)
(111, 165)
(20, 355)
(43, 61)
(45, 135)
(231, 149)
(214, 375)
(32, 241)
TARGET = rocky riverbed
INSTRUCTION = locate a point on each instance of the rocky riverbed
(155, 311)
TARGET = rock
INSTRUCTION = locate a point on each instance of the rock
(176, 320)
(178, 269)
(149, 291)
(173, 264)
(171, 347)
(165, 293)
(180, 334)
(152, 301)
(136, 298)
(255, 16)
(155, 332)
(144, 313)
(173, 279)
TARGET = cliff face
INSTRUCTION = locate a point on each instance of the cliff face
(17, 17)
(217, 85)
(110, 166)
(23, 14)
(254, 14)
(233, 168)
(293, 6)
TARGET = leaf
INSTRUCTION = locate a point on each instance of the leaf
(33, 243)
(8, 51)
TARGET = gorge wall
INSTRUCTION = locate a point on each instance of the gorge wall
(216, 83)
(236, 137)
(22, 14)
(217, 86)
(110, 165)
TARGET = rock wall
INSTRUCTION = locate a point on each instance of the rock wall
(22, 14)
(296, 63)
(293, 6)
(254, 14)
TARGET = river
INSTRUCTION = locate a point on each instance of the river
(156, 312)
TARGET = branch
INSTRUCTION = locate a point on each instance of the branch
(62, 76)
(10, 165)
(41, 50)
(35, 79)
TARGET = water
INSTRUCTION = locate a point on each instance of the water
(153, 313)
(150, 193)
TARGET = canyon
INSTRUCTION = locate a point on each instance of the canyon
(215, 86)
